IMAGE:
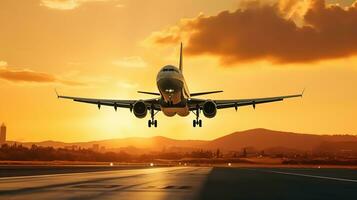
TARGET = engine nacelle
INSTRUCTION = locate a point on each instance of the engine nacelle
(140, 110)
(209, 109)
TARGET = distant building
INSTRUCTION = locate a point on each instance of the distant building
(102, 148)
(2, 133)
(95, 147)
(72, 147)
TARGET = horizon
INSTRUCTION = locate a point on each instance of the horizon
(112, 49)
(184, 139)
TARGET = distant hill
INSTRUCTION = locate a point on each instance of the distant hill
(264, 139)
(259, 139)
(338, 147)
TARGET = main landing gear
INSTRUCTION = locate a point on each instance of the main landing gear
(152, 121)
(197, 121)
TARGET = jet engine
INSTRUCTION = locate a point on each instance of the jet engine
(209, 109)
(140, 109)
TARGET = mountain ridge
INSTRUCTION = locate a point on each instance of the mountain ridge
(259, 139)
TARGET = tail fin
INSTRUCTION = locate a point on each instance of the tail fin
(180, 65)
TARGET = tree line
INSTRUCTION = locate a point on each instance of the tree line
(18, 152)
(39, 153)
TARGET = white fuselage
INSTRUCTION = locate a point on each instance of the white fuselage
(173, 90)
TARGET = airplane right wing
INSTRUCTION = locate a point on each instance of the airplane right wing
(204, 93)
(235, 103)
(246, 102)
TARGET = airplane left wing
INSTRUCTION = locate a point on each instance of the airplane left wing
(235, 103)
(113, 102)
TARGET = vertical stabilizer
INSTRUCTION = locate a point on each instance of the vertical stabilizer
(180, 65)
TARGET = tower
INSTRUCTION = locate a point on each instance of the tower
(2, 133)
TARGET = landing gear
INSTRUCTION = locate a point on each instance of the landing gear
(197, 121)
(152, 121)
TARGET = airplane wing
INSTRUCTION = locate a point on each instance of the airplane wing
(116, 103)
(235, 103)
(204, 93)
(151, 93)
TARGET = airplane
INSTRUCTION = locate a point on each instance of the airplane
(174, 98)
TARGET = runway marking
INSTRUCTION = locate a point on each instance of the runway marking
(54, 175)
(312, 176)
(74, 173)
(49, 175)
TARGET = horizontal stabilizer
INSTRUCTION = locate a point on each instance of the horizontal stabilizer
(152, 93)
(203, 93)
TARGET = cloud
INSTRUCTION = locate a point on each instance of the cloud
(3, 63)
(284, 32)
(120, 5)
(127, 85)
(67, 4)
(130, 62)
(23, 75)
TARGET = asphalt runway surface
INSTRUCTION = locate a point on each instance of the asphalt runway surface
(184, 183)
(25, 170)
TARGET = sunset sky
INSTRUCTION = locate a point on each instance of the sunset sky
(112, 48)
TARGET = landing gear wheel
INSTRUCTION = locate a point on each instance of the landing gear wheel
(152, 121)
(197, 121)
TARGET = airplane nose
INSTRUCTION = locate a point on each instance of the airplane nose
(169, 85)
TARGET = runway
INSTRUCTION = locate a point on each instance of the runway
(150, 183)
(280, 183)
(186, 183)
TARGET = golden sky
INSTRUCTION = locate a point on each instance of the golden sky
(112, 48)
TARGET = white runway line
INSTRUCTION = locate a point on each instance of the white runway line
(114, 171)
(47, 175)
(312, 176)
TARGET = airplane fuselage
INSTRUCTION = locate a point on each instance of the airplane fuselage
(174, 92)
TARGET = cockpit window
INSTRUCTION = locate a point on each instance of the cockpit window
(170, 70)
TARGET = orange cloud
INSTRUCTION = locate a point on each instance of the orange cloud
(3, 63)
(268, 32)
(130, 62)
(68, 4)
(31, 76)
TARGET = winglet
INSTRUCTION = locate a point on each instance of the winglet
(302, 93)
(180, 65)
(56, 93)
